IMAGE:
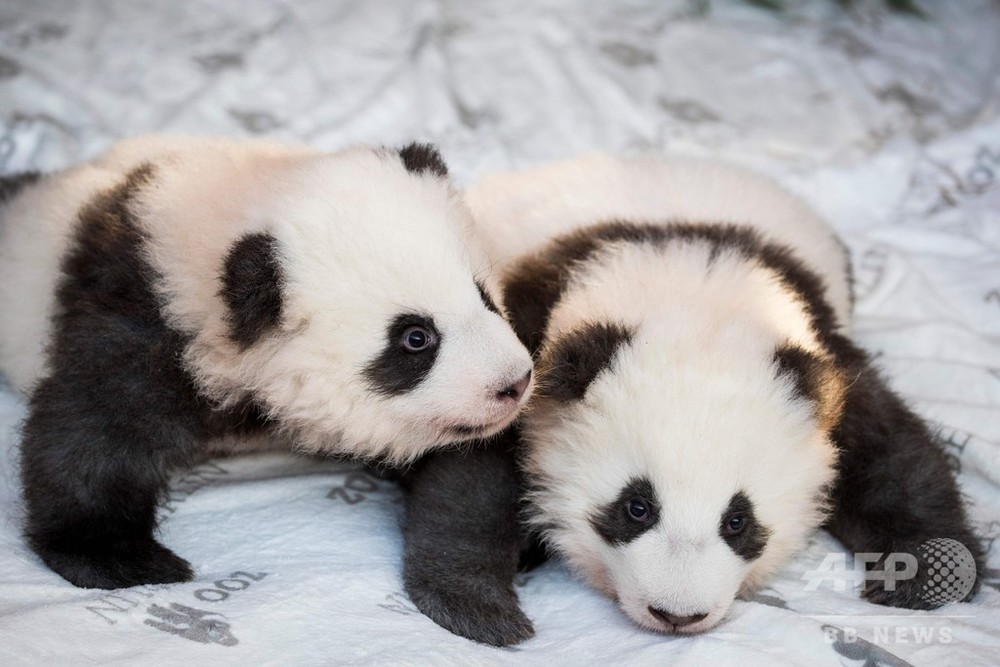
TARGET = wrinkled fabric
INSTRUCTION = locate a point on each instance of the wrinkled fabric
(889, 125)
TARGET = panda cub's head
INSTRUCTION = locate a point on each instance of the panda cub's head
(677, 448)
(355, 307)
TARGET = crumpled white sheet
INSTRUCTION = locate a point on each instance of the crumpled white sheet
(889, 125)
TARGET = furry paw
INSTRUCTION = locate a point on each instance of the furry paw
(133, 564)
(906, 594)
(944, 571)
(486, 614)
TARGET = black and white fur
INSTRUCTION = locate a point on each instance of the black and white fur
(700, 408)
(181, 295)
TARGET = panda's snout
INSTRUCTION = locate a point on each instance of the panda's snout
(515, 391)
(675, 621)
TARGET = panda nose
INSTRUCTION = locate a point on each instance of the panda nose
(674, 620)
(516, 390)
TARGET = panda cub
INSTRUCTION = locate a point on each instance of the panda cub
(177, 295)
(700, 409)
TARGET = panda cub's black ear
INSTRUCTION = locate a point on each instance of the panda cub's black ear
(251, 288)
(571, 364)
(815, 379)
(420, 158)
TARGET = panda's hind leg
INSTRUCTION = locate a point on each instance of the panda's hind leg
(114, 410)
(105, 426)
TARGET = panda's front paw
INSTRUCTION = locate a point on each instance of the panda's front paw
(486, 612)
(906, 594)
(929, 575)
(136, 563)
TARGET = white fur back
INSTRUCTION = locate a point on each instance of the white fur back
(35, 229)
(518, 212)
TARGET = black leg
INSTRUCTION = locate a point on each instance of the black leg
(115, 411)
(91, 484)
(895, 490)
(114, 414)
(462, 542)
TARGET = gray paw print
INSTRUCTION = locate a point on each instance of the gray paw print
(193, 624)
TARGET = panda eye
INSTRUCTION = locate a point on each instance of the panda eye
(417, 339)
(638, 510)
(735, 524)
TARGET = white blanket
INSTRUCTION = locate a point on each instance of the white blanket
(889, 125)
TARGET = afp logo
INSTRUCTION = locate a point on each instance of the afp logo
(949, 570)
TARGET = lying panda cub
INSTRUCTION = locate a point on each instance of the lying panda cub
(700, 409)
(176, 291)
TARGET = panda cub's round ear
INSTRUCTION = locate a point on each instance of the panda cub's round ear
(816, 379)
(422, 158)
(569, 366)
(251, 288)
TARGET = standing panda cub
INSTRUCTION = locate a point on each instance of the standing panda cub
(177, 292)
(700, 409)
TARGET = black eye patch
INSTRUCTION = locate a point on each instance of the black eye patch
(411, 347)
(740, 529)
(632, 513)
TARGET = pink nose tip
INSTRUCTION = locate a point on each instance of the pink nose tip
(674, 620)
(516, 390)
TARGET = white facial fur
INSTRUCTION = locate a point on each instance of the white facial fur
(694, 405)
(361, 239)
